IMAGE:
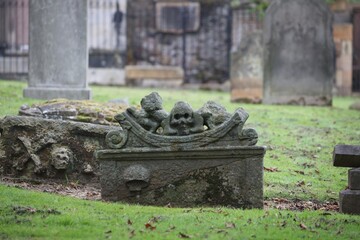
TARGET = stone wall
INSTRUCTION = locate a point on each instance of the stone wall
(205, 54)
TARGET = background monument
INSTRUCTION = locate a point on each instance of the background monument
(58, 50)
(299, 58)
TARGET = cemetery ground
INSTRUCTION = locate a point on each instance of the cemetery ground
(301, 186)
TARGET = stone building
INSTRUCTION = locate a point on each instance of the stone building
(194, 35)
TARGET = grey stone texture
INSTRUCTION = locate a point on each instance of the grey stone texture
(184, 158)
(37, 148)
(247, 69)
(346, 156)
(354, 179)
(299, 54)
(58, 50)
(350, 201)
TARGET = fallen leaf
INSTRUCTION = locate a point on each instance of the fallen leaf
(271, 169)
(172, 227)
(299, 172)
(129, 222)
(183, 235)
(132, 233)
(300, 183)
(303, 226)
(149, 226)
(230, 225)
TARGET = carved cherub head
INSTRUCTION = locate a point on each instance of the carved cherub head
(61, 157)
(151, 102)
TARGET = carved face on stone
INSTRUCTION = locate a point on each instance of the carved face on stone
(151, 102)
(61, 157)
(182, 118)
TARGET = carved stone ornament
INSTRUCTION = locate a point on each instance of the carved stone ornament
(182, 128)
(184, 158)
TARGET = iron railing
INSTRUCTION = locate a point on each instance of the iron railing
(14, 34)
(147, 35)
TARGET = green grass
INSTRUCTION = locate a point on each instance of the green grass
(79, 219)
(300, 142)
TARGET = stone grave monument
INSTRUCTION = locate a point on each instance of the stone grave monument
(183, 158)
(247, 70)
(349, 156)
(56, 140)
(58, 50)
(299, 53)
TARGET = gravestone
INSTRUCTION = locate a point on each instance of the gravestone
(247, 70)
(58, 50)
(349, 156)
(184, 158)
(39, 148)
(299, 54)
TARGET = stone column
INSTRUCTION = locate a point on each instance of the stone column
(58, 50)
(299, 54)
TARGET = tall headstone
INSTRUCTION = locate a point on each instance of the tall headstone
(247, 70)
(299, 55)
(58, 50)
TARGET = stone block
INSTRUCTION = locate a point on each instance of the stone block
(350, 202)
(299, 56)
(346, 156)
(150, 72)
(343, 32)
(220, 176)
(354, 179)
(58, 50)
(106, 76)
(38, 148)
(247, 70)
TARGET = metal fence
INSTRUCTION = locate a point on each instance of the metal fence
(196, 37)
(107, 33)
(14, 34)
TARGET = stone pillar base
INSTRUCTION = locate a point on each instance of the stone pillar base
(350, 201)
(51, 93)
(298, 100)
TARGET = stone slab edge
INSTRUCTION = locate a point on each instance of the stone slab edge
(51, 93)
(346, 156)
(168, 154)
(350, 201)
(354, 179)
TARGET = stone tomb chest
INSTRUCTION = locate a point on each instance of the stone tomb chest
(183, 158)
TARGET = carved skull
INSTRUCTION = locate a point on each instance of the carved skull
(61, 157)
(182, 118)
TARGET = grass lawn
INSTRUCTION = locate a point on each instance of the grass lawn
(298, 166)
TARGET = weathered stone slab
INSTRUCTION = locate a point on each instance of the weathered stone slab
(299, 54)
(182, 158)
(211, 177)
(58, 50)
(350, 201)
(346, 156)
(38, 148)
(354, 179)
(150, 76)
(247, 70)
